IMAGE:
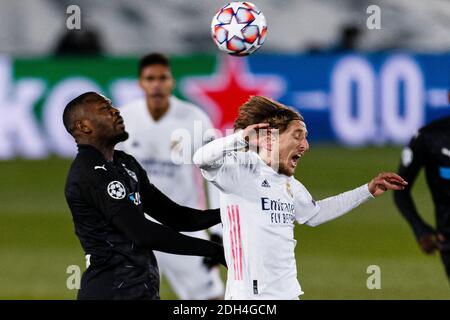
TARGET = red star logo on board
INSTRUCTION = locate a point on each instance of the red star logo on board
(222, 93)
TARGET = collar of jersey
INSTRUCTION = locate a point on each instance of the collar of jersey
(93, 151)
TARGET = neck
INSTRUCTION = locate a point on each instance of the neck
(108, 152)
(157, 111)
(268, 157)
(106, 148)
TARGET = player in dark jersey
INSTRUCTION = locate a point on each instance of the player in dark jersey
(109, 194)
(430, 149)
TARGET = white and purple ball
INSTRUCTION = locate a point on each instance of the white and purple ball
(239, 28)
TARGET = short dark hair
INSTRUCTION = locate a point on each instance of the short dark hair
(152, 59)
(73, 107)
(259, 109)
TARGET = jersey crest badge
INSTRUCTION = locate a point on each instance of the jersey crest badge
(130, 173)
(289, 189)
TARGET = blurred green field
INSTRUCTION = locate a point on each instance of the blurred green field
(37, 242)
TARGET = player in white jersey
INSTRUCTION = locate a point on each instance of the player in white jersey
(164, 132)
(260, 199)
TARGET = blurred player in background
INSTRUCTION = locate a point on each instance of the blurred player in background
(161, 129)
(429, 149)
(261, 199)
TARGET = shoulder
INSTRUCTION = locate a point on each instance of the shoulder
(298, 187)
(419, 139)
(436, 126)
(424, 141)
(126, 158)
(123, 155)
(303, 197)
(242, 158)
(81, 169)
(90, 168)
(296, 184)
(234, 171)
(83, 162)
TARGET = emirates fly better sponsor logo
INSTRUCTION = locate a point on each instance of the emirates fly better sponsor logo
(280, 212)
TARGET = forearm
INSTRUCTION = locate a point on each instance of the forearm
(336, 206)
(405, 204)
(186, 219)
(154, 236)
(177, 243)
(179, 218)
(403, 199)
(213, 152)
(195, 220)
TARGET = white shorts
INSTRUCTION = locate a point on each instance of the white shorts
(188, 276)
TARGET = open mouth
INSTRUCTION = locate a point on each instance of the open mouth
(294, 159)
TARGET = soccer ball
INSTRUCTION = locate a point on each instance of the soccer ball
(239, 28)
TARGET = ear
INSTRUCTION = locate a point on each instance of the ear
(83, 126)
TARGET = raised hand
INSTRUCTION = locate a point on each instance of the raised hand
(386, 181)
(251, 134)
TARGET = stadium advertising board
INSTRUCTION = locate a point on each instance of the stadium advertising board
(349, 99)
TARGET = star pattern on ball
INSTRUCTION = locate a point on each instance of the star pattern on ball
(234, 28)
(235, 6)
(239, 28)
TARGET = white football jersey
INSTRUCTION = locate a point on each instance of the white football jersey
(165, 147)
(258, 209)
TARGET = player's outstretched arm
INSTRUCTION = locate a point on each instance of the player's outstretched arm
(413, 159)
(427, 237)
(154, 236)
(169, 213)
(180, 218)
(405, 204)
(336, 206)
